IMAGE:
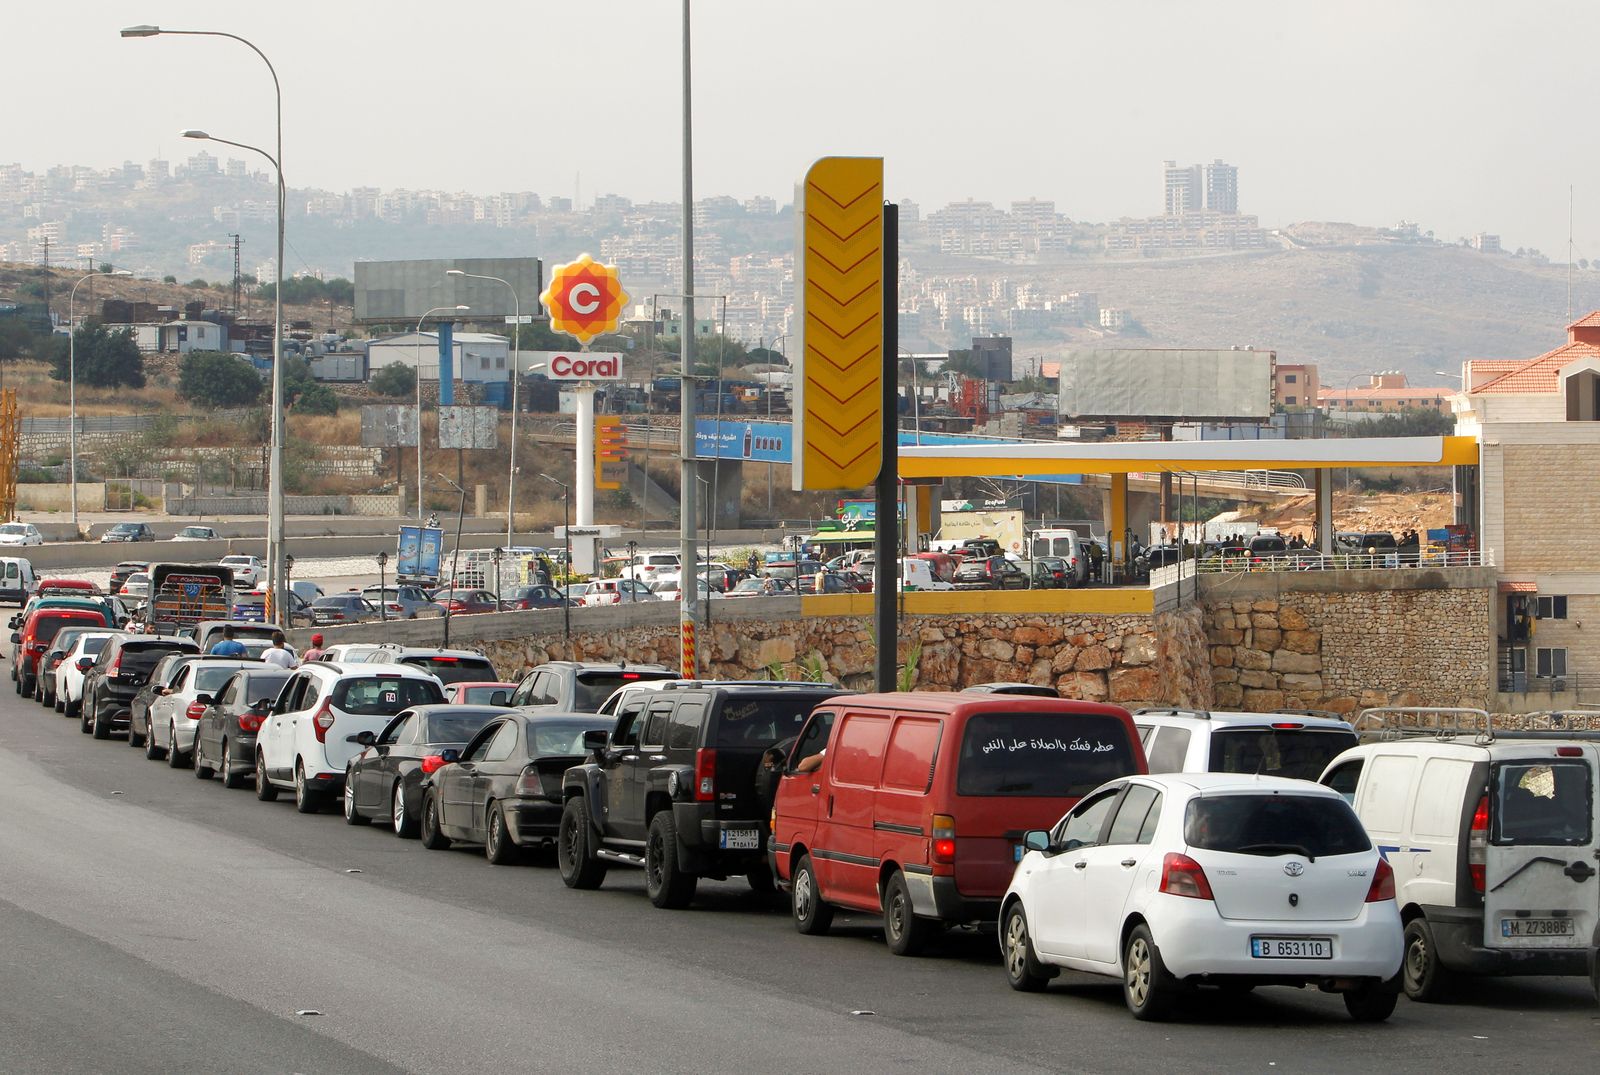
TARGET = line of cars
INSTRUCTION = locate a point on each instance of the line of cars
(1170, 849)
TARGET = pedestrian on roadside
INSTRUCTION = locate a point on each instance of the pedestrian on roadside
(227, 646)
(278, 653)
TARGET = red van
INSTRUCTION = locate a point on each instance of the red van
(914, 805)
(30, 643)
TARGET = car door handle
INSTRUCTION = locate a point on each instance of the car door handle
(658, 757)
(816, 789)
(1080, 864)
(1130, 862)
(630, 757)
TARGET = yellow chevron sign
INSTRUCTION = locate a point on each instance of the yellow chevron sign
(838, 378)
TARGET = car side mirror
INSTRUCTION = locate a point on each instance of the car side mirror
(365, 739)
(15, 638)
(499, 698)
(596, 741)
(450, 756)
(1036, 840)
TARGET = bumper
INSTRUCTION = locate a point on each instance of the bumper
(1459, 934)
(183, 732)
(242, 752)
(1195, 941)
(935, 896)
(700, 849)
(533, 821)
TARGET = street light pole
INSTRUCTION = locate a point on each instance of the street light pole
(687, 493)
(72, 390)
(455, 558)
(516, 378)
(566, 533)
(779, 343)
(275, 498)
(418, 370)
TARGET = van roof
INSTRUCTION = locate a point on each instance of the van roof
(951, 701)
(1232, 782)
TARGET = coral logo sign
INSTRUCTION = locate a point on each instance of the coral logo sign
(585, 299)
(581, 365)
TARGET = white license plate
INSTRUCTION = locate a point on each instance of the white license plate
(1291, 947)
(1537, 927)
(741, 839)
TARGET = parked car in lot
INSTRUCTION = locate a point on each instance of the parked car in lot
(1184, 879)
(618, 591)
(225, 740)
(990, 573)
(119, 670)
(928, 795)
(195, 533)
(306, 743)
(129, 532)
(398, 602)
(384, 780)
(579, 686)
(247, 570)
(464, 602)
(38, 630)
(65, 693)
(1493, 835)
(762, 587)
(673, 787)
(469, 692)
(170, 722)
(1297, 745)
(647, 565)
(341, 608)
(519, 598)
(504, 792)
(20, 534)
(1049, 573)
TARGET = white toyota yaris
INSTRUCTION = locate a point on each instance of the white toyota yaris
(1187, 879)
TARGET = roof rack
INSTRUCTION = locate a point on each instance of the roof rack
(1173, 711)
(1557, 724)
(1325, 714)
(698, 684)
(1392, 722)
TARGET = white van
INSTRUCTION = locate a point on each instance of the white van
(1067, 544)
(918, 574)
(16, 579)
(1492, 837)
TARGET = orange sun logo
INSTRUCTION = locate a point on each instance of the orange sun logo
(585, 299)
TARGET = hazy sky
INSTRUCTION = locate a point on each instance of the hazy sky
(1463, 116)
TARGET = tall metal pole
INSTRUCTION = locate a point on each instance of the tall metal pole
(72, 389)
(417, 365)
(516, 377)
(886, 527)
(566, 521)
(687, 493)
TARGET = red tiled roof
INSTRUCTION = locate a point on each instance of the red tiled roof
(1591, 320)
(1538, 376)
(1416, 391)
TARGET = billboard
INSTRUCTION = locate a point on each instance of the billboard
(403, 291)
(469, 427)
(1174, 384)
(759, 442)
(578, 365)
(419, 552)
(388, 425)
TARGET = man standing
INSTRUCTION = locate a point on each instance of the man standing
(315, 652)
(279, 654)
(228, 646)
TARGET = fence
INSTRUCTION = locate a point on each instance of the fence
(1311, 560)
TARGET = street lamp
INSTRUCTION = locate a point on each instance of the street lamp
(516, 378)
(383, 594)
(275, 503)
(418, 370)
(566, 533)
(72, 390)
(455, 557)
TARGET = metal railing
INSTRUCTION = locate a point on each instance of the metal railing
(1312, 560)
(1522, 683)
(1286, 481)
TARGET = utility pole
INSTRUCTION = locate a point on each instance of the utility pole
(46, 244)
(688, 473)
(237, 279)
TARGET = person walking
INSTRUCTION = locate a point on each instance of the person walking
(278, 653)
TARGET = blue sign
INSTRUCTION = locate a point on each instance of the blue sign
(421, 549)
(760, 442)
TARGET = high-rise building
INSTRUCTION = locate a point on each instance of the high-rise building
(1222, 187)
(1185, 188)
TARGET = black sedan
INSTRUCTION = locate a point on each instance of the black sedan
(385, 779)
(517, 598)
(342, 608)
(505, 791)
(990, 573)
(129, 532)
(225, 738)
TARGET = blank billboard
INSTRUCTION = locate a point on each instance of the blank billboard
(1177, 383)
(402, 291)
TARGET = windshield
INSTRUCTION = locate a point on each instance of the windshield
(1279, 824)
(384, 696)
(1044, 754)
(1300, 753)
(484, 695)
(1542, 803)
(453, 669)
(13, 528)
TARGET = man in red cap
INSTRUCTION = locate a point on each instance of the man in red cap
(315, 652)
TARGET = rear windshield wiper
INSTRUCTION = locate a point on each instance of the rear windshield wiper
(1296, 849)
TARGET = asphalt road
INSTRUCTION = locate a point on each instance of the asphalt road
(155, 923)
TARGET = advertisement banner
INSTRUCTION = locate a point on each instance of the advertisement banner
(579, 365)
(421, 548)
(759, 442)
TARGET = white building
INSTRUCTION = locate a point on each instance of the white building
(478, 357)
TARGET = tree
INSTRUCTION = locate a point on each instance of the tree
(169, 279)
(215, 379)
(395, 379)
(961, 362)
(318, 399)
(307, 290)
(1411, 422)
(18, 338)
(105, 359)
(302, 392)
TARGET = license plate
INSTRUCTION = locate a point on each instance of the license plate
(1537, 927)
(741, 839)
(1291, 947)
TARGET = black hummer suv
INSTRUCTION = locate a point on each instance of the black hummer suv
(674, 787)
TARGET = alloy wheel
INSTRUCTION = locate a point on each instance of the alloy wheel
(1138, 971)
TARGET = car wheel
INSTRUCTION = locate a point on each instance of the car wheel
(84, 724)
(1425, 979)
(135, 740)
(432, 838)
(405, 826)
(306, 801)
(666, 885)
(102, 725)
(497, 845)
(1023, 970)
(176, 759)
(72, 707)
(24, 686)
(59, 703)
(1148, 989)
(811, 915)
(760, 881)
(575, 856)
(266, 791)
(352, 816)
(202, 771)
(151, 751)
(1372, 1003)
(230, 779)
(906, 933)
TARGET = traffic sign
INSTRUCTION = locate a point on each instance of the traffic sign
(839, 376)
(585, 299)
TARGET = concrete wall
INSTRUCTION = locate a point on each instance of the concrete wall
(366, 504)
(57, 496)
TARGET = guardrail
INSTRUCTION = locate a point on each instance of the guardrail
(1311, 560)
(1521, 683)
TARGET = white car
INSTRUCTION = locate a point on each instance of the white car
(171, 720)
(195, 533)
(1297, 745)
(647, 566)
(1187, 879)
(20, 534)
(69, 677)
(617, 591)
(136, 588)
(307, 742)
(247, 570)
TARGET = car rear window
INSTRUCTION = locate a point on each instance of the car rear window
(453, 669)
(1042, 754)
(144, 656)
(456, 727)
(1540, 802)
(384, 696)
(1299, 753)
(208, 679)
(259, 687)
(758, 723)
(1277, 824)
(593, 688)
(484, 695)
(558, 738)
(45, 627)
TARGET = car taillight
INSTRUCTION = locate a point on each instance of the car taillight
(250, 722)
(944, 838)
(1478, 844)
(1287, 726)
(1182, 876)
(116, 666)
(705, 775)
(528, 783)
(195, 711)
(321, 721)
(1382, 887)
(1569, 752)
(432, 764)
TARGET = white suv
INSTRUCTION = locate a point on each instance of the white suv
(649, 566)
(1291, 744)
(306, 743)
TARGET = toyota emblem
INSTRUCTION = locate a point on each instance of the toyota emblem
(1294, 869)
